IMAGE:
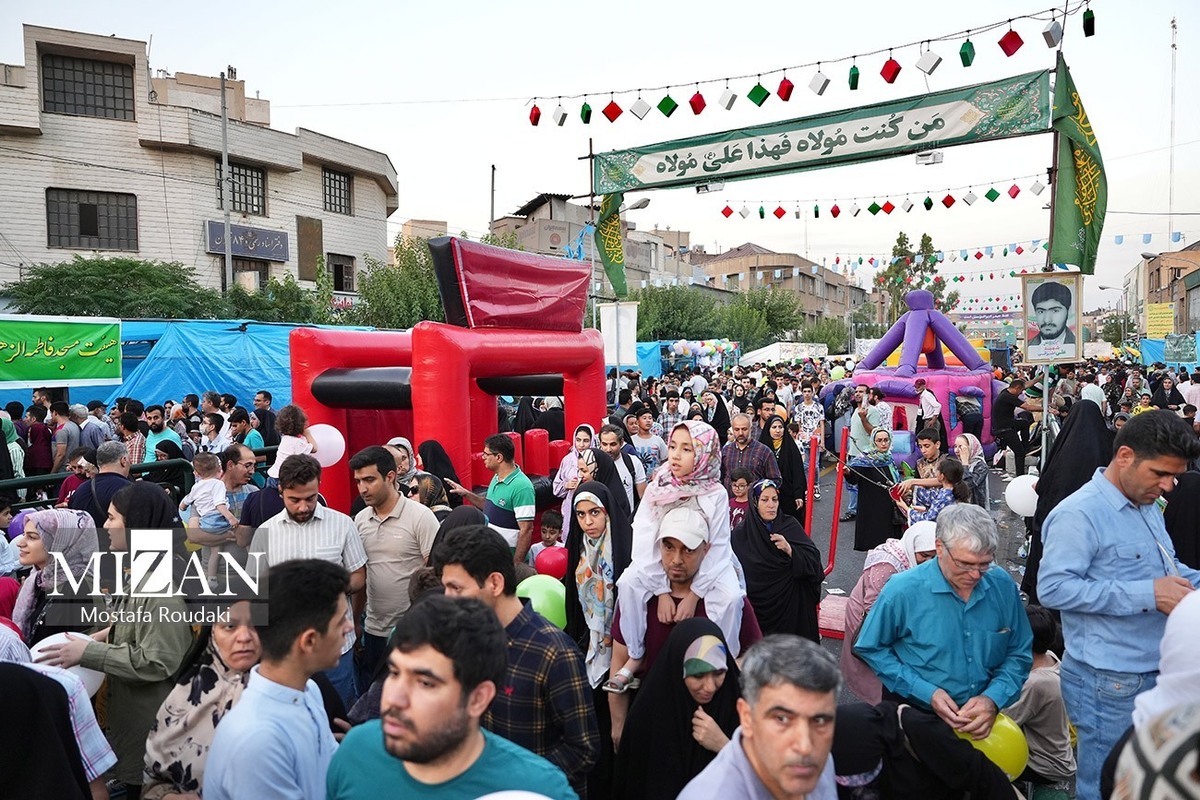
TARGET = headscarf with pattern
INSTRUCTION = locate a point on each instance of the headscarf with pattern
(663, 488)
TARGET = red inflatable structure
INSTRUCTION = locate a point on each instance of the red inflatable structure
(511, 317)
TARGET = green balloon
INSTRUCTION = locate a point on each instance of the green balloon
(548, 597)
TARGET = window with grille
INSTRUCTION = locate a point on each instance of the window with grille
(249, 189)
(338, 186)
(261, 268)
(342, 270)
(87, 88)
(91, 220)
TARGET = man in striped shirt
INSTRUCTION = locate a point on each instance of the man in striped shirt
(510, 505)
(307, 529)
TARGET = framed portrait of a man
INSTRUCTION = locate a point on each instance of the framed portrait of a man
(1052, 328)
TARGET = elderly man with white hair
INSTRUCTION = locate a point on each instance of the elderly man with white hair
(951, 635)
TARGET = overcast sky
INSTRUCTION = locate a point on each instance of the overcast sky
(367, 72)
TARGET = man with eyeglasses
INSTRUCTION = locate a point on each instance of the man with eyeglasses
(951, 635)
(510, 505)
(397, 535)
(1110, 567)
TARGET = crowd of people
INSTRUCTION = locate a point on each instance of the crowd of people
(396, 655)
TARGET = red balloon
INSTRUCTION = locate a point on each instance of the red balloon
(552, 561)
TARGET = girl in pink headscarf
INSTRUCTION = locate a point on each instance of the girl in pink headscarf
(689, 479)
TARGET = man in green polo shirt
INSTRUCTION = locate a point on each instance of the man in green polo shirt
(509, 506)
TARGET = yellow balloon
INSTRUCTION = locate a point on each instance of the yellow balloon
(1005, 746)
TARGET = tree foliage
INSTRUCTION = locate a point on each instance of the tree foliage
(830, 331)
(673, 312)
(115, 287)
(398, 296)
(1116, 326)
(915, 264)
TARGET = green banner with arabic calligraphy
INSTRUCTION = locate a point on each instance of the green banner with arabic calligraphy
(1081, 186)
(1003, 109)
(58, 351)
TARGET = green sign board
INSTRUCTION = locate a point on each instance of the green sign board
(58, 351)
(998, 110)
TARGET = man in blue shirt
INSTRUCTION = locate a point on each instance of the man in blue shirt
(276, 742)
(951, 634)
(446, 666)
(1110, 568)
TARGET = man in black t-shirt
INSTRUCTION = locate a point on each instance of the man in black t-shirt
(1004, 425)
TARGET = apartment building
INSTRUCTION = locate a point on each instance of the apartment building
(99, 155)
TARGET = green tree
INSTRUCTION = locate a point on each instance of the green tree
(1115, 327)
(830, 331)
(115, 287)
(398, 296)
(780, 309)
(280, 300)
(739, 322)
(673, 312)
(916, 264)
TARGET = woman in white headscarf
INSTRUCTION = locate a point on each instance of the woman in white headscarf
(917, 546)
(70, 534)
(567, 477)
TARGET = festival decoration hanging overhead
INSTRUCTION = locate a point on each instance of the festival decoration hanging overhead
(996, 110)
(925, 60)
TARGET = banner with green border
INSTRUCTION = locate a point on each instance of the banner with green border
(58, 351)
(1016, 106)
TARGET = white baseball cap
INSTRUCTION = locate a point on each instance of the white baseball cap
(685, 524)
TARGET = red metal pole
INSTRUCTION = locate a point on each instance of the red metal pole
(814, 466)
(837, 501)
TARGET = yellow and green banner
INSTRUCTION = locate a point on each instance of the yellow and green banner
(58, 351)
(1016, 106)
(1080, 186)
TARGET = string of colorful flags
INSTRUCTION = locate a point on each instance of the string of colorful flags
(835, 210)
(926, 61)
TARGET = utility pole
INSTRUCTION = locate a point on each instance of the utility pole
(1171, 149)
(492, 212)
(226, 186)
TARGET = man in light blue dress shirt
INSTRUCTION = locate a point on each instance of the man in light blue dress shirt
(951, 635)
(1110, 568)
(275, 742)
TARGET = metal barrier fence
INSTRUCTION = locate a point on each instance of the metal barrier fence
(12, 486)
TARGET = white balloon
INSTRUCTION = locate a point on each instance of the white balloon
(331, 445)
(513, 794)
(90, 677)
(1021, 496)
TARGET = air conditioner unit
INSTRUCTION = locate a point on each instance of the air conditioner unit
(932, 157)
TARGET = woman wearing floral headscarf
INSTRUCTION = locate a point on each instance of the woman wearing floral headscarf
(71, 534)
(975, 467)
(691, 477)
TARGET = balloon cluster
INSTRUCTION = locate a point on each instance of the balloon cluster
(705, 347)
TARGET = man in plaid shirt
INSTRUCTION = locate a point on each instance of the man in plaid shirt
(545, 703)
(671, 415)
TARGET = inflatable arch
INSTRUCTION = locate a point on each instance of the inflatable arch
(514, 323)
(920, 335)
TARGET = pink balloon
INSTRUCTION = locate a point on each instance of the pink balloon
(552, 561)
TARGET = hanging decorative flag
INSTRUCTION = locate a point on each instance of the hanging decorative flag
(873, 208)
(887, 207)
(758, 95)
(991, 194)
(780, 213)
(978, 255)
(560, 116)
(1176, 236)
(969, 198)
(966, 53)
(891, 69)
(697, 102)
(609, 242)
(727, 212)
(785, 89)
(1037, 188)
(1147, 238)
(1020, 250)
(640, 108)
(1013, 191)
(947, 201)
(762, 212)
(1118, 239)
(667, 105)
(816, 211)
(907, 205)
(745, 212)
(535, 115)
(585, 113)
(928, 203)
(612, 111)
(1081, 189)
(1010, 42)
(834, 211)
(854, 209)
(727, 99)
